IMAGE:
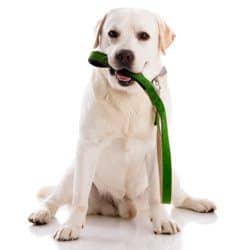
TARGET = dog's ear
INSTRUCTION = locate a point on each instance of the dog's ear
(98, 28)
(166, 35)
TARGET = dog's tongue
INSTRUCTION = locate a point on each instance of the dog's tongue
(122, 77)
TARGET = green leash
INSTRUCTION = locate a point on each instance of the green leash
(99, 59)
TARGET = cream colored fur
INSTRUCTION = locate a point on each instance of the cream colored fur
(115, 166)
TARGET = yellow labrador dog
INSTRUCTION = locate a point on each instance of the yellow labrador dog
(116, 163)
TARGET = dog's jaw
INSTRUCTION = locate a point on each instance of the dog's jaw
(123, 80)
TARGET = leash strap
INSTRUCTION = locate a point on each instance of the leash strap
(156, 83)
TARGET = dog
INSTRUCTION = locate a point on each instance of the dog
(115, 166)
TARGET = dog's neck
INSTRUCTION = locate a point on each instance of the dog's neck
(153, 68)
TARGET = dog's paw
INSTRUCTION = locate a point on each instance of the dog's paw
(198, 205)
(164, 226)
(67, 233)
(40, 217)
(127, 209)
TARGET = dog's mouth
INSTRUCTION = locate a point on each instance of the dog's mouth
(123, 80)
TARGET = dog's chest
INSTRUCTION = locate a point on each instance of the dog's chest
(121, 168)
(130, 127)
(137, 122)
(131, 118)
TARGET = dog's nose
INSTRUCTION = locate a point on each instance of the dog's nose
(125, 57)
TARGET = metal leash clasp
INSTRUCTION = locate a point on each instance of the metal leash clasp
(157, 85)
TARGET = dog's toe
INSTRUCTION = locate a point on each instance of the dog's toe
(198, 205)
(40, 217)
(67, 233)
(165, 227)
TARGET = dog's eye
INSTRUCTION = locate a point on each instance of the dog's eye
(144, 36)
(113, 34)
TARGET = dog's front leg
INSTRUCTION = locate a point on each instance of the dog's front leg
(162, 224)
(86, 159)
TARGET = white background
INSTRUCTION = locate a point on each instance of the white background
(43, 71)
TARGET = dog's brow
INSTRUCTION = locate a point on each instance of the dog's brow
(112, 27)
(139, 28)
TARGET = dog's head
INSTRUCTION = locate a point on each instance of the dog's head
(132, 39)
